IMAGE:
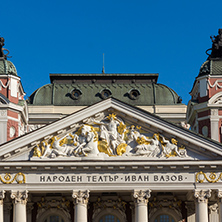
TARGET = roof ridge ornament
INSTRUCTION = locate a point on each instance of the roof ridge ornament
(2, 54)
(216, 50)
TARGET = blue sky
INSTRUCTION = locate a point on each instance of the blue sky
(143, 36)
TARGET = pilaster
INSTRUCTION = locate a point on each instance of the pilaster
(190, 206)
(141, 198)
(214, 124)
(7, 211)
(80, 201)
(29, 211)
(132, 207)
(213, 213)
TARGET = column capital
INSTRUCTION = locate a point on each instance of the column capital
(202, 195)
(2, 196)
(19, 196)
(141, 196)
(80, 196)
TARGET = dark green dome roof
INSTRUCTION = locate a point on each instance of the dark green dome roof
(7, 68)
(211, 67)
(91, 89)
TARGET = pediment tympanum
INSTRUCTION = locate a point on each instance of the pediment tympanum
(108, 130)
(108, 135)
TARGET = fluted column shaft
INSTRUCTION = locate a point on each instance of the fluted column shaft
(202, 204)
(141, 198)
(19, 205)
(81, 199)
(2, 196)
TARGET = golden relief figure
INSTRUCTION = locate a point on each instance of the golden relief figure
(108, 135)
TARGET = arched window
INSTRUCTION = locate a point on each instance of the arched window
(109, 218)
(164, 218)
(54, 218)
(53, 215)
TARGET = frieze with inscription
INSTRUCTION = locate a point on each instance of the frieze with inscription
(108, 178)
(108, 136)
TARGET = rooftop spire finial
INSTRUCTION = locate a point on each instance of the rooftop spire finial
(103, 70)
(216, 50)
(1, 46)
(2, 54)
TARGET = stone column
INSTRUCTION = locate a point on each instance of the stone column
(202, 204)
(219, 195)
(214, 124)
(141, 198)
(2, 196)
(81, 199)
(19, 205)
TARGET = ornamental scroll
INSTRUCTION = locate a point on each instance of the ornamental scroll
(109, 136)
(202, 177)
(9, 179)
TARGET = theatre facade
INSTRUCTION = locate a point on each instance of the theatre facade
(111, 148)
(110, 162)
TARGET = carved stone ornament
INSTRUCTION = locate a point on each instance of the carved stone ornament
(19, 197)
(212, 177)
(217, 85)
(101, 205)
(2, 196)
(166, 203)
(213, 208)
(108, 135)
(202, 195)
(80, 196)
(141, 196)
(54, 204)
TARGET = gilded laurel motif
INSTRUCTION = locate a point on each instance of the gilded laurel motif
(108, 135)
(212, 178)
(8, 179)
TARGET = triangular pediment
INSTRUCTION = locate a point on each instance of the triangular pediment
(107, 130)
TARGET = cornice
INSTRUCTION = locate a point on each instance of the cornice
(132, 113)
(114, 164)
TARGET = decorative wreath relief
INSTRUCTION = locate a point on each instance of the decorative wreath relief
(108, 135)
(211, 178)
(8, 178)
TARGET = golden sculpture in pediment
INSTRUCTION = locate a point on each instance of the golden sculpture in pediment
(108, 135)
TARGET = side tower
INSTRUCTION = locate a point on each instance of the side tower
(13, 108)
(204, 112)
